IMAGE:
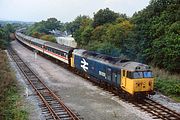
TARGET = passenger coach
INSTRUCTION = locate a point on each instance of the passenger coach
(60, 52)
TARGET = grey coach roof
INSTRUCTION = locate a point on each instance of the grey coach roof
(58, 46)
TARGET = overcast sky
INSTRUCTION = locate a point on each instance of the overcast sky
(64, 10)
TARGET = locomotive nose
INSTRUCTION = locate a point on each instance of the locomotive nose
(140, 85)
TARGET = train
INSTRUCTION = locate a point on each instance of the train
(132, 78)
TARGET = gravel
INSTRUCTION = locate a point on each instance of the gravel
(167, 102)
(90, 101)
(30, 102)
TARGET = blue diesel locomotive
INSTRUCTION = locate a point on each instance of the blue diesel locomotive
(130, 77)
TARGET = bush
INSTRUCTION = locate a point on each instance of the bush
(167, 83)
(3, 44)
(9, 96)
(50, 38)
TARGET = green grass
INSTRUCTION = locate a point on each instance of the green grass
(168, 84)
(11, 107)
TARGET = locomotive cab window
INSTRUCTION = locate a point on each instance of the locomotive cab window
(137, 75)
(148, 74)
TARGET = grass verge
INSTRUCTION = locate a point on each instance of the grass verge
(11, 107)
(168, 84)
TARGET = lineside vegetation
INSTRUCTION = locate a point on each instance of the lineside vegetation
(11, 107)
(167, 83)
(10, 101)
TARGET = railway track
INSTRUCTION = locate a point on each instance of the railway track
(156, 110)
(52, 106)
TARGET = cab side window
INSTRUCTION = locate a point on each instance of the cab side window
(129, 75)
(124, 73)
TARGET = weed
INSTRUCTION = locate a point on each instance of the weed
(167, 83)
(9, 96)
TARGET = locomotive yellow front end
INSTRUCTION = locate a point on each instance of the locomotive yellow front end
(137, 79)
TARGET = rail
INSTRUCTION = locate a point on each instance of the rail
(52, 106)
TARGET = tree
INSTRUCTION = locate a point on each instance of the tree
(99, 33)
(52, 24)
(80, 21)
(118, 33)
(81, 29)
(5, 35)
(86, 35)
(45, 26)
(157, 33)
(105, 48)
(104, 16)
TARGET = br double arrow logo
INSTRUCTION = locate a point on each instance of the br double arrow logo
(84, 64)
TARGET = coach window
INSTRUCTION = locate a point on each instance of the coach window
(56, 51)
(61, 53)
